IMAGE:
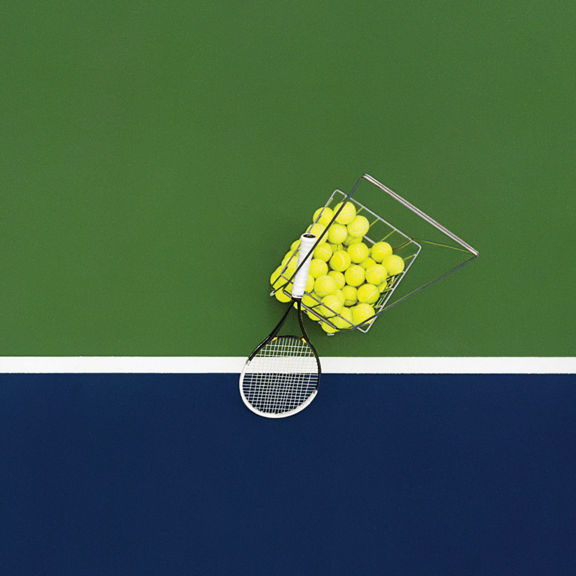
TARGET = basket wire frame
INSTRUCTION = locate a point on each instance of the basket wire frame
(408, 248)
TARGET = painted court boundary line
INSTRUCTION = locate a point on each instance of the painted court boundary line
(330, 365)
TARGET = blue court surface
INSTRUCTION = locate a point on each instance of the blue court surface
(399, 475)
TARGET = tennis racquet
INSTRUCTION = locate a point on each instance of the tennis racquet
(281, 376)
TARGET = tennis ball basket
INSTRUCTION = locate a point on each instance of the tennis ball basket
(363, 263)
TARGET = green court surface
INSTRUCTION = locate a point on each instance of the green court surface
(157, 160)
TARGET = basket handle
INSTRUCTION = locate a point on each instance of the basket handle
(422, 215)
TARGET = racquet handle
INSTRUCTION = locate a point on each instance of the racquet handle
(307, 242)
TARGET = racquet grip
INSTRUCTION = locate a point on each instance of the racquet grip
(307, 242)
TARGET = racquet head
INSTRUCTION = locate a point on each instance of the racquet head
(281, 378)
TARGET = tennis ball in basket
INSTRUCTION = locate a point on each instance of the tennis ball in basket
(367, 263)
(294, 245)
(325, 215)
(359, 226)
(286, 258)
(339, 277)
(393, 263)
(275, 278)
(310, 301)
(324, 286)
(340, 261)
(345, 321)
(348, 213)
(318, 268)
(331, 306)
(354, 275)
(358, 252)
(382, 286)
(317, 229)
(361, 313)
(337, 233)
(340, 295)
(350, 296)
(281, 297)
(313, 315)
(288, 267)
(368, 293)
(380, 250)
(352, 240)
(376, 274)
(334, 247)
(323, 252)
(327, 328)
(291, 268)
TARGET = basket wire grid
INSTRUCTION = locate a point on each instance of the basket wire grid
(380, 230)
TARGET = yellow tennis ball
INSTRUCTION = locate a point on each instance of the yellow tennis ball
(340, 261)
(367, 263)
(313, 315)
(380, 250)
(393, 264)
(335, 247)
(276, 279)
(327, 328)
(309, 301)
(350, 295)
(382, 286)
(368, 293)
(323, 252)
(294, 245)
(318, 268)
(359, 226)
(358, 252)
(337, 233)
(324, 286)
(376, 274)
(340, 296)
(324, 215)
(286, 258)
(281, 296)
(331, 306)
(348, 213)
(289, 267)
(346, 320)
(361, 313)
(318, 229)
(352, 240)
(339, 277)
(354, 275)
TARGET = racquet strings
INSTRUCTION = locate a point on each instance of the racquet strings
(282, 375)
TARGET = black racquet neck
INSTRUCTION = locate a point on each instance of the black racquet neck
(299, 305)
(279, 325)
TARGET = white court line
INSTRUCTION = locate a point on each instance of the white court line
(330, 365)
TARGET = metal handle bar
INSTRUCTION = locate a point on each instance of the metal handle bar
(423, 215)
